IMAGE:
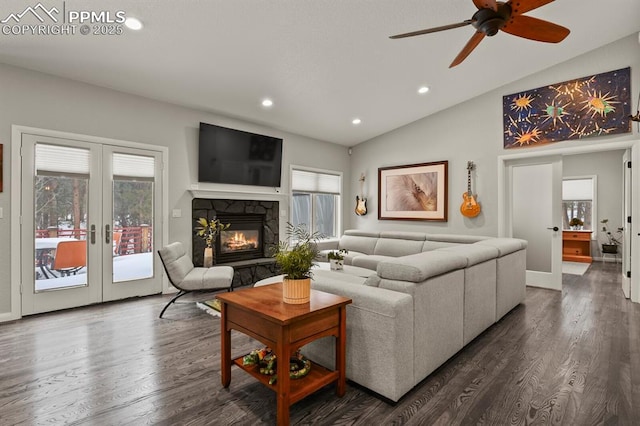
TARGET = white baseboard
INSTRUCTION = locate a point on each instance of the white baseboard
(606, 259)
(8, 316)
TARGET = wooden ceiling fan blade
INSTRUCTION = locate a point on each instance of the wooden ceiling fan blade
(519, 7)
(486, 4)
(432, 30)
(535, 29)
(473, 42)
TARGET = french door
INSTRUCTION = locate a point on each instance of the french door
(90, 215)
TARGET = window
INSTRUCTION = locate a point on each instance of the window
(578, 201)
(315, 200)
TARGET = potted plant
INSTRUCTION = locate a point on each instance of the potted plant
(336, 259)
(295, 258)
(613, 240)
(207, 230)
(576, 223)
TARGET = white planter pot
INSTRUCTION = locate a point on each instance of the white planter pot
(336, 265)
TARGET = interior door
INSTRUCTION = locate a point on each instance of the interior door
(535, 193)
(90, 220)
(626, 245)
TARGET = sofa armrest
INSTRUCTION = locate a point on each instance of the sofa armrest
(328, 244)
(325, 246)
(380, 336)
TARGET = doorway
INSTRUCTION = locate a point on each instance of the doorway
(90, 216)
(633, 206)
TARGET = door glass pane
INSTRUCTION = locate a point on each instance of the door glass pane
(132, 229)
(60, 230)
(324, 214)
(532, 213)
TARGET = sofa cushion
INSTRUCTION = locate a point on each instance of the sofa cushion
(419, 267)
(348, 258)
(400, 235)
(505, 245)
(396, 247)
(370, 262)
(434, 245)
(475, 253)
(358, 243)
(460, 239)
(361, 233)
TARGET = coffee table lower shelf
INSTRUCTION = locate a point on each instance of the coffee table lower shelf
(317, 378)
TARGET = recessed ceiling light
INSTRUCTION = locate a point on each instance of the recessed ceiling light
(356, 121)
(423, 90)
(133, 23)
(267, 103)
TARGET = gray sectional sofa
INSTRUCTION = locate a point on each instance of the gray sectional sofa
(430, 296)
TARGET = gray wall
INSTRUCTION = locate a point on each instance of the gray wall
(473, 131)
(38, 100)
(608, 167)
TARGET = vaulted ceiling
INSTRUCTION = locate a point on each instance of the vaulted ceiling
(322, 62)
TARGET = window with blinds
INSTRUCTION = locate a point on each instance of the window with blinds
(315, 200)
(578, 202)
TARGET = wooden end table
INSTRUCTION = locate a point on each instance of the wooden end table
(259, 312)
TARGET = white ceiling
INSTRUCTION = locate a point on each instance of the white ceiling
(323, 62)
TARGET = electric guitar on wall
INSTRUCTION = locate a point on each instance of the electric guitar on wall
(469, 207)
(361, 202)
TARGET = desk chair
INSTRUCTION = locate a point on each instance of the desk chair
(186, 278)
(71, 256)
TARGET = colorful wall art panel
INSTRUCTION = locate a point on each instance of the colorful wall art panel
(590, 106)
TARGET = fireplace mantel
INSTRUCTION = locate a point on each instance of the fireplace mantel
(212, 194)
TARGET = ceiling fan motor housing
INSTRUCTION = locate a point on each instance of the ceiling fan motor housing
(489, 21)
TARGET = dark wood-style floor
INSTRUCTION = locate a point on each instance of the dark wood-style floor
(570, 358)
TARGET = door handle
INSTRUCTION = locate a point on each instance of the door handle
(93, 234)
(555, 229)
(107, 234)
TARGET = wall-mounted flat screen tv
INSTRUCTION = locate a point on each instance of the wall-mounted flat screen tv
(237, 157)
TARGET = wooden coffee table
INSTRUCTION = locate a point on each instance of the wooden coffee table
(259, 312)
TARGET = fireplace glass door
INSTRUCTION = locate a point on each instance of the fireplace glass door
(242, 240)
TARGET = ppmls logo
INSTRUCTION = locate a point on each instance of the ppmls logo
(51, 13)
(41, 20)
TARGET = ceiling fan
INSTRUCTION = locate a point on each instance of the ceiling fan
(495, 15)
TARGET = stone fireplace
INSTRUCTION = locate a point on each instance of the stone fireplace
(246, 244)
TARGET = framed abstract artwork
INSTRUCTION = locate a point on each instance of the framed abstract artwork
(413, 192)
(590, 106)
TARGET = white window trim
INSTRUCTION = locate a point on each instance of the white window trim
(339, 212)
(594, 202)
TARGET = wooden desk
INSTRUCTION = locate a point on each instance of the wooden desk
(576, 246)
(259, 312)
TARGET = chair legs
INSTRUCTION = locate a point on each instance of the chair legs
(180, 294)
